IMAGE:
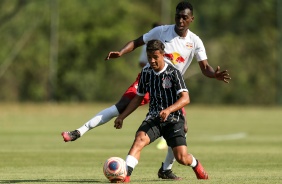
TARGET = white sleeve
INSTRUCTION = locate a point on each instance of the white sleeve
(153, 34)
(143, 56)
(200, 51)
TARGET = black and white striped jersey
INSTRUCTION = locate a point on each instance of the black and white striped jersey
(163, 88)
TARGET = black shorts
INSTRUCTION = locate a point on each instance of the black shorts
(173, 132)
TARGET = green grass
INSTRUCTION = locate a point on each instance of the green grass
(32, 150)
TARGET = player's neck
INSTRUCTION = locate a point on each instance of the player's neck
(181, 33)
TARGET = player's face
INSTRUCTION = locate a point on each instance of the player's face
(183, 18)
(156, 60)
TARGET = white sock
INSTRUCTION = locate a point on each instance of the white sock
(131, 161)
(169, 159)
(194, 162)
(102, 117)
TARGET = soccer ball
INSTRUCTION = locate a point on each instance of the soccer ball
(115, 169)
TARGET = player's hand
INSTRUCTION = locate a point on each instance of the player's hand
(118, 123)
(113, 55)
(222, 75)
(164, 114)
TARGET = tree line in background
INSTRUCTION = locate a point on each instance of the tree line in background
(54, 50)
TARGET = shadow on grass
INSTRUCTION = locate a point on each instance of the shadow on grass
(75, 181)
(53, 181)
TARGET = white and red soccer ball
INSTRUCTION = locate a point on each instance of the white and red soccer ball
(115, 169)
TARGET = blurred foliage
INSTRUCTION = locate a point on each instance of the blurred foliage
(240, 36)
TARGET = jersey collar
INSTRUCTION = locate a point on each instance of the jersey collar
(158, 73)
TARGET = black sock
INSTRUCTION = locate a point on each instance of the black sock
(129, 170)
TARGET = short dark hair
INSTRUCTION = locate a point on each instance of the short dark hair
(184, 5)
(154, 45)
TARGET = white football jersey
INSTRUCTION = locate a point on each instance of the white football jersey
(179, 51)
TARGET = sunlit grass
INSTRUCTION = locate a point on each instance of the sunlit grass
(32, 150)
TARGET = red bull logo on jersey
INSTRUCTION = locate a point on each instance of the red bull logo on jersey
(175, 58)
(166, 82)
(189, 45)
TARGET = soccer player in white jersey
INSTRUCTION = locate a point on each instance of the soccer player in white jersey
(168, 95)
(181, 45)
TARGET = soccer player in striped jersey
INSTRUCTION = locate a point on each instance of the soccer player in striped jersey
(168, 95)
(181, 45)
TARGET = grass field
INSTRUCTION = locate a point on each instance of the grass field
(235, 145)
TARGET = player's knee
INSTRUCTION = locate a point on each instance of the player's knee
(141, 140)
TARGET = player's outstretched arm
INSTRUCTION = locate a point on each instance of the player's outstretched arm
(181, 102)
(130, 46)
(208, 71)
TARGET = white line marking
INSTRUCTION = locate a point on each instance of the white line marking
(229, 137)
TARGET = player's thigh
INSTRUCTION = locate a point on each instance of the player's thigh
(128, 95)
(151, 127)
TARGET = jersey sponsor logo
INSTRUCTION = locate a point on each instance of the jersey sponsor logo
(189, 45)
(175, 58)
(167, 82)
